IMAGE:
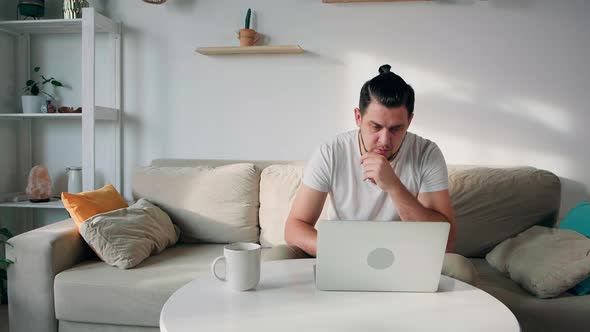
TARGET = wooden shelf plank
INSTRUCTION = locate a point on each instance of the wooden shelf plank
(53, 204)
(267, 49)
(344, 1)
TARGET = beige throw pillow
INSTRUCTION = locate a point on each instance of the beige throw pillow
(493, 204)
(545, 261)
(209, 204)
(125, 237)
(278, 186)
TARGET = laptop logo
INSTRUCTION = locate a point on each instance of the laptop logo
(380, 258)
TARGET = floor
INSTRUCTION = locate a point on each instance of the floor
(3, 318)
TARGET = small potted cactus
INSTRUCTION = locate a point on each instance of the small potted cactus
(247, 36)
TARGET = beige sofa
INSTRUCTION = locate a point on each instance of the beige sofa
(56, 283)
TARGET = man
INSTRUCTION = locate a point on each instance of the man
(378, 172)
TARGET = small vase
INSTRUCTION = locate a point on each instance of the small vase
(73, 8)
(74, 179)
(248, 37)
(32, 104)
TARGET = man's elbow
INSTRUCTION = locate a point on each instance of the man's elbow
(452, 232)
(289, 232)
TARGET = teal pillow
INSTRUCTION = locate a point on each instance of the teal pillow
(578, 219)
(582, 288)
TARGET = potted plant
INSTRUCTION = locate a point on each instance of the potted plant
(33, 102)
(247, 36)
(4, 233)
(31, 8)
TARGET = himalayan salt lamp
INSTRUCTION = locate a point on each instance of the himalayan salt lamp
(39, 186)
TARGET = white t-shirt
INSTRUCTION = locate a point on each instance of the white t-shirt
(335, 167)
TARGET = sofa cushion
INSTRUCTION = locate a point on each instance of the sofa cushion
(86, 204)
(578, 219)
(493, 204)
(125, 237)
(278, 186)
(95, 292)
(545, 261)
(209, 204)
(535, 314)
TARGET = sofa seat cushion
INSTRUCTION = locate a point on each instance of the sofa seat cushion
(94, 292)
(534, 314)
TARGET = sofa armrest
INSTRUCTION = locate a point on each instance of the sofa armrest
(39, 255)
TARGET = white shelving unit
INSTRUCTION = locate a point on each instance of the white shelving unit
(88, 26)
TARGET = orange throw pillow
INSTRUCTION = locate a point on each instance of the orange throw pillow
(90, 203)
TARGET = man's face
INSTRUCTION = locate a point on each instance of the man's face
(383, 129)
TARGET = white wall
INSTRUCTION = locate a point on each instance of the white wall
(498, 82)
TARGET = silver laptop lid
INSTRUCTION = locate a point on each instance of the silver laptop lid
(380, 255)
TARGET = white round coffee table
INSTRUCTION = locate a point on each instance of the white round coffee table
(286, 300)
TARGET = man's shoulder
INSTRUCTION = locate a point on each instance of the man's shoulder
(420, 144)
(423, 152)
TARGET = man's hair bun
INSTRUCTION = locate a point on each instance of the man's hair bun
(384, 69)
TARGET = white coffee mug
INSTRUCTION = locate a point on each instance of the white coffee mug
(242, 265)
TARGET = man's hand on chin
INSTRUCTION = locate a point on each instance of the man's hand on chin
(377, 169)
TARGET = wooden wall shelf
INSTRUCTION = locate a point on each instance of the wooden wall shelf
(343, 1)
(267, 49)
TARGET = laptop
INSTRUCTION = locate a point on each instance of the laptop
(380, 255)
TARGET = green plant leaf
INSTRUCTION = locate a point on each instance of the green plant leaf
(56, 83)
(6, 261)
(47, 80)
(35, 90)
(30, 82)
(4, 231)
(248, 14)
(36, 69)
(3, 274)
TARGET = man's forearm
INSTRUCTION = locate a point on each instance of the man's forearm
(410, 209)
(302, 235)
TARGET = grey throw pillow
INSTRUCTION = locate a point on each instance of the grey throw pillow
(545, 261)
(125, 237)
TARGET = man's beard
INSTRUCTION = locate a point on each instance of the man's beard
(390, 158)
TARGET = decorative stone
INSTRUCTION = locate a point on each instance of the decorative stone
(39, 186)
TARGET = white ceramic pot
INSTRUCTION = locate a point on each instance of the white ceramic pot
(32, 104)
